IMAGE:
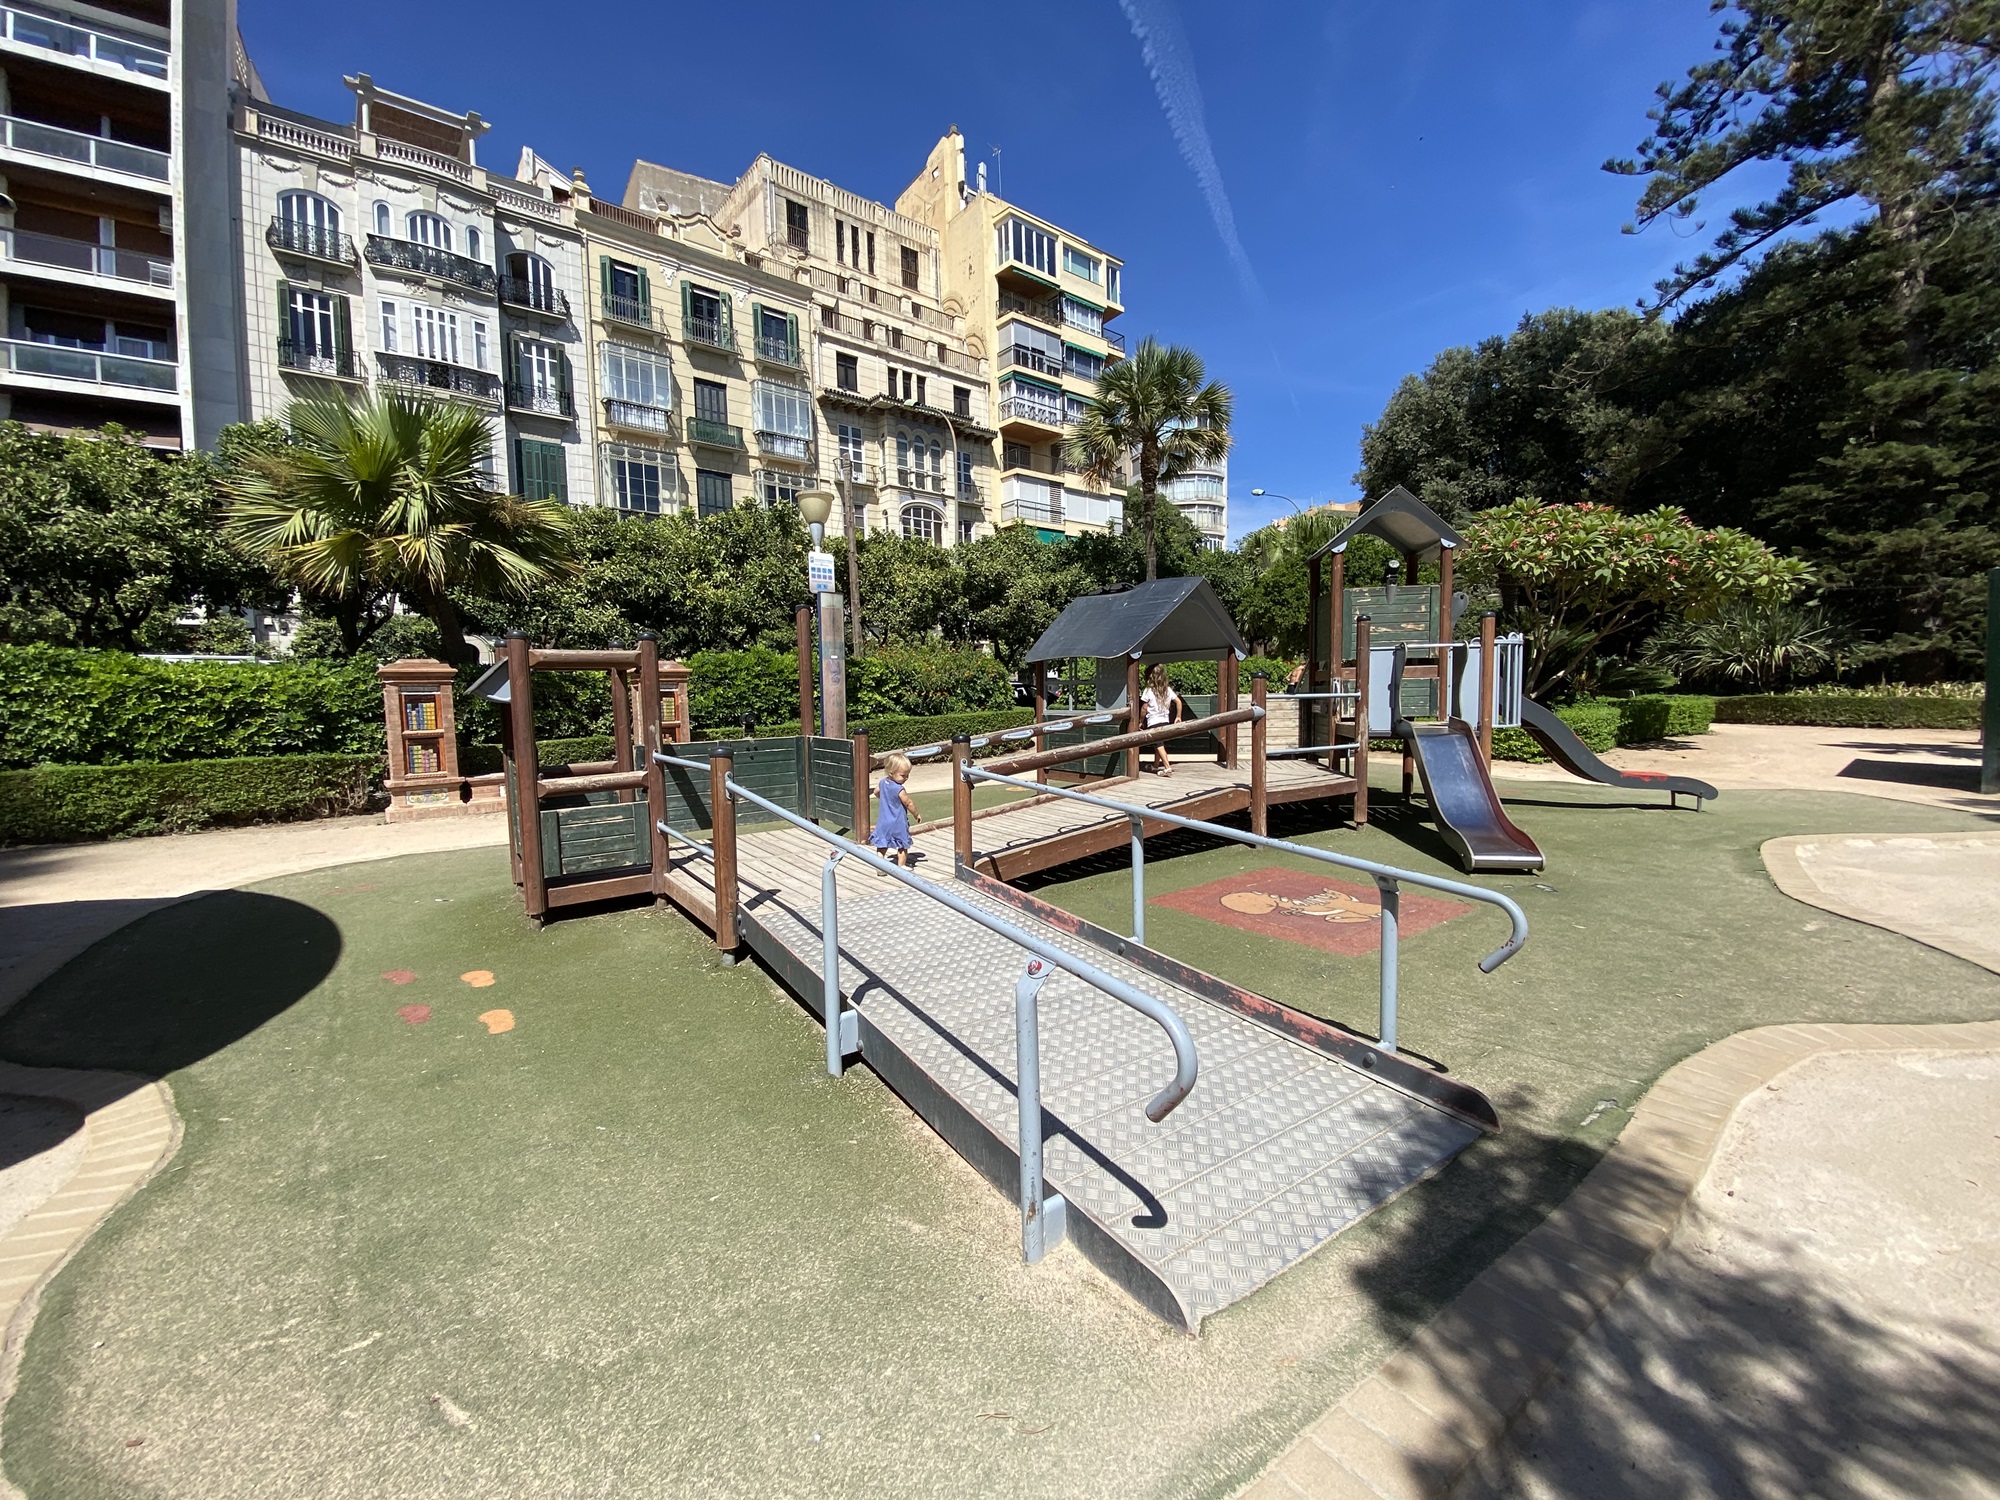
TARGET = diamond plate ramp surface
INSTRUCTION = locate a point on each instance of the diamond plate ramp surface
(1278, 1149)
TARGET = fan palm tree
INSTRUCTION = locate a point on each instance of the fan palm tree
(390, 493)
(1159, 408)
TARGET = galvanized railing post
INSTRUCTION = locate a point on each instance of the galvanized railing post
(829, 923)
(1139, 880)
(1043, 1215)
(1385, 1027)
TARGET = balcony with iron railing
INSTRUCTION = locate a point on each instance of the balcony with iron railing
(437, 375)
(704, 432)
(638, 416)
(428, 260)
(784, 445)
(632, 312)
(781, 351)
(1019, 408)
(91, 366)
(1042, 309)
(152, 271)
(315, 359)
(928, 481)
(1116, 340)
(970, 492)
(856, 471)
(75, 38)
(540, 399)
(535, 296)
(72, 148)
(708, 333)
(310, 242)
(1020, 356)
(1025, 508)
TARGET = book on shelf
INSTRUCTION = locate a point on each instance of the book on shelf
(420, 714)
(424, 760)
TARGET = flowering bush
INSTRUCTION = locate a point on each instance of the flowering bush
(1572, 577)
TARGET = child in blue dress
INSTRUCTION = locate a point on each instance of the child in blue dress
(892, 824)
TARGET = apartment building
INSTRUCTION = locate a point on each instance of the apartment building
(901, 395)
(1202, 495)
(699, 354)
(1036, 301)
(379, 253)
(115, 220)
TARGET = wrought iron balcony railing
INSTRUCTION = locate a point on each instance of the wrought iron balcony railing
(1042, 309)
(436, 375)
(1021, 357)
(310, 241)
(711, 333)
(781, 351)
(1027, 409)
(711, 434)
(428, 260)
(313, 359)
(519, 291)
(542, 400)
(637, 415)
(784, 444)
(855, 471)
(926, 480)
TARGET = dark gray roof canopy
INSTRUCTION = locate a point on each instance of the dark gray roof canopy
(493, 684)
(1403, 521)
(1175, 619)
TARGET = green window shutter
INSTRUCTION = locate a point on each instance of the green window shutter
(343, 331)
(756, 322)
(604, 275)
(284, 310)
(724, 299)
(645, 289)
(527, 483)
(562, 373)
(687, 299)
(792, 332)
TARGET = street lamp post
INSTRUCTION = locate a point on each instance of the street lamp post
(1286, 498)
(816, 506)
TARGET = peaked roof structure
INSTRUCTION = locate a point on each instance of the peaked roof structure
(1176, 619)
(1403, 521)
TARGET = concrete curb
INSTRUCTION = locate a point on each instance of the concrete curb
(1424, 1422)
(1789, 873)
(130, 1131)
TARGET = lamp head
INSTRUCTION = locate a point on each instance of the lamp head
(1256, 492)
(815, 506)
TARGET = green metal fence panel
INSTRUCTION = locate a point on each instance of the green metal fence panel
(830, 781)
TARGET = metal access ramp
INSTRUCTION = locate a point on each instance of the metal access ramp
(1286, 1140)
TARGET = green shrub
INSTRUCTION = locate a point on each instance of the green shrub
(1596, 724)
(64, 804)
(1202, 676)
(1658, 716)
(90, 708)
(1851, 711)
(891, 681)
(484, 760)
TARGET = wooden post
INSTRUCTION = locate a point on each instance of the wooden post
(1226, 680)
(861, 819)
(1041, 671)
(1259, 820)
(802, 620)
(961, 800)
(649, 745)
(1133, 718)
(1487, 644)
(1361, 722)
(1336, 650)
(527, 770)
(621, 723)
(1444, 590)
(722, 814)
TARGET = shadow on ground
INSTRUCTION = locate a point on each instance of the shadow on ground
(215, 969)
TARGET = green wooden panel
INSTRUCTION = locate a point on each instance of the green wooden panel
(1111, 764)
(830, 781)
(1198, 706)
(593, 837)
(773, 768)
(1404, 613)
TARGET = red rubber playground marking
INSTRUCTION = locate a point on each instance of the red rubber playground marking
(1297, 906)
(416, 1015)
(400, 976)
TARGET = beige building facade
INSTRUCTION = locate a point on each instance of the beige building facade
(1036, 302)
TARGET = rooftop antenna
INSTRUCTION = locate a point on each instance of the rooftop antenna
(999, 182)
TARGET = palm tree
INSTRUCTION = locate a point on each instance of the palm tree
(1160, 408)
(390, 493)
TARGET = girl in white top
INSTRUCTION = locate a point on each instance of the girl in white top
(1159, 704)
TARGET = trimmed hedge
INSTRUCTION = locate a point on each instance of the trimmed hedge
(1851, 711)
(1661, 716)
(67, 707)
(66, 804)
(915, 681)
(1596, 724)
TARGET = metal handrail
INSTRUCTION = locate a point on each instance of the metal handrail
(1043, 1215)
(1388, 880)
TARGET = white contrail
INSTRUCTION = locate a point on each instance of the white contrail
(1165, 52)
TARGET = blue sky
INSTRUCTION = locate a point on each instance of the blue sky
(1403, 177)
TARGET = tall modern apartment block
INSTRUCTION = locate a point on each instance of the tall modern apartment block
(1038, 300)
(1202, 495)
(116, 228)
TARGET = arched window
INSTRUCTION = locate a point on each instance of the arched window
(903, 457)
(532, 281)
(382, 221)
(924, 523)
(937, 457)
(310, 225)
(429, 229)
(472, 243)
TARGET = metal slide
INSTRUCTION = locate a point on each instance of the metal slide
(1575, 757)
(1463, 800)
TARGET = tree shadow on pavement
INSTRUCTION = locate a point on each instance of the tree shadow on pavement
(174, 986)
